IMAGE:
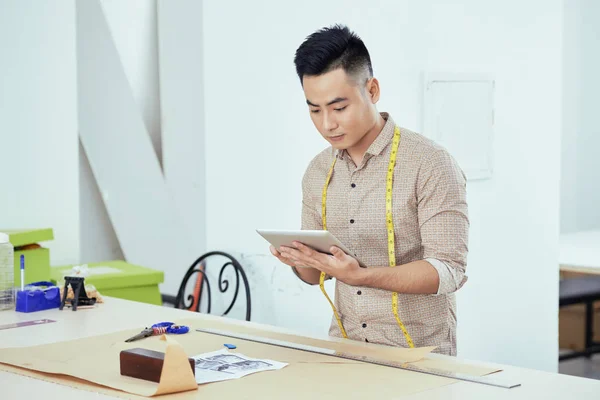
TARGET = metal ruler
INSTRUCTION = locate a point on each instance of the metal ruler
(485, 380)
(26, 323)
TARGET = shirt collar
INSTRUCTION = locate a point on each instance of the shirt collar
(380, 142)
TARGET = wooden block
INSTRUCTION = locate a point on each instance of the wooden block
(145, 364)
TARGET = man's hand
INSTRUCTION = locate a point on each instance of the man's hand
(417, 277)
(284, 260)
(339, 265)
(308, 275)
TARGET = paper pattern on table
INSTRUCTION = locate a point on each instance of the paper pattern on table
(223, 365)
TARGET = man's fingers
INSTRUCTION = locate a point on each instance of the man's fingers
(304, 249)
(283, 256)
(296, 255)
(309, 252)
(287, 252)
(300, 257)
(286, 256)
(314, 258)
(337, 253)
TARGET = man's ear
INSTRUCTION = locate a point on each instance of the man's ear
(373, 90)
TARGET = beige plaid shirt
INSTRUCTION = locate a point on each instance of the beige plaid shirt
(430, 221)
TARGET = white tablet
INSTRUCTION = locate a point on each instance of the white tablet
(318, 240)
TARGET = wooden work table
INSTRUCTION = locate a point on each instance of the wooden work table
(115, 315)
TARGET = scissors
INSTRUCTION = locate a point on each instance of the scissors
(159, 329)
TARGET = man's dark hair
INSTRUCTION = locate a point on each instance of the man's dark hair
(331, 48)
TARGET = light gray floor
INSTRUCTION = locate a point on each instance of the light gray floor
(587, 368)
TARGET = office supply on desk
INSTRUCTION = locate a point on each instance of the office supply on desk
(159, 329)
(26, 323)
(486, 380)
(38, 296)
(22, 272)
(90, 290)
(80, 297)
(145, 364)
(116, 279)
(7, 282)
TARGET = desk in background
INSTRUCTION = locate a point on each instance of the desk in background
(579, 252)
(579, 316)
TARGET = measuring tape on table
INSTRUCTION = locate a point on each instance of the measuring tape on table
(485, 380)
(26, 323)
(389, 223)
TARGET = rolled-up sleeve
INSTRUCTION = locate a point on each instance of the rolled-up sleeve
(443, 219)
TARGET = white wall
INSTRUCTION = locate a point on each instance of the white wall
(182, 112)
(580, 184)
(259, 140)
(147, 217)
(133, 26)
(38, 122)
(170, 104)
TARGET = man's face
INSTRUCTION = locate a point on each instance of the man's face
(340, 109)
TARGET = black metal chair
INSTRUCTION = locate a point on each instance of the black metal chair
(200, 266)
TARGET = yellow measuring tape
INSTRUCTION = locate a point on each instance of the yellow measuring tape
(390, 233)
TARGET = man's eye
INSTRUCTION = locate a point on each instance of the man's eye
(340, 109)
(314, 111)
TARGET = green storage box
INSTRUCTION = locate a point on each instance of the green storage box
(37, 258)
(119, 279)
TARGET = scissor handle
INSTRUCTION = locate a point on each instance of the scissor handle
(178, 329)
(169, 327)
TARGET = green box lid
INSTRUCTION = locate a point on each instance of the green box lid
(22, 237)
(113, 275)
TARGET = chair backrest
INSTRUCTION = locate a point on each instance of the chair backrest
(199, 267)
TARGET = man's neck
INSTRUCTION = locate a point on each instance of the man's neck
(357, 152)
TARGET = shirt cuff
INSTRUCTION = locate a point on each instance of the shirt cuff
(447, 282)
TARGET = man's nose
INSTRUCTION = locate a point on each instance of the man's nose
(329, 122)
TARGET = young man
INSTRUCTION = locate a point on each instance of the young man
(392, 196)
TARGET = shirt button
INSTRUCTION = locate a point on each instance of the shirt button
(353, 185)
(364, 325)
(359, 293)
(351, 221)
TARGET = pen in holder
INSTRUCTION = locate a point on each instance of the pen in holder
(22, 272)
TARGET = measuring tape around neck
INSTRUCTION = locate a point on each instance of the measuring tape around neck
(389, 222)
